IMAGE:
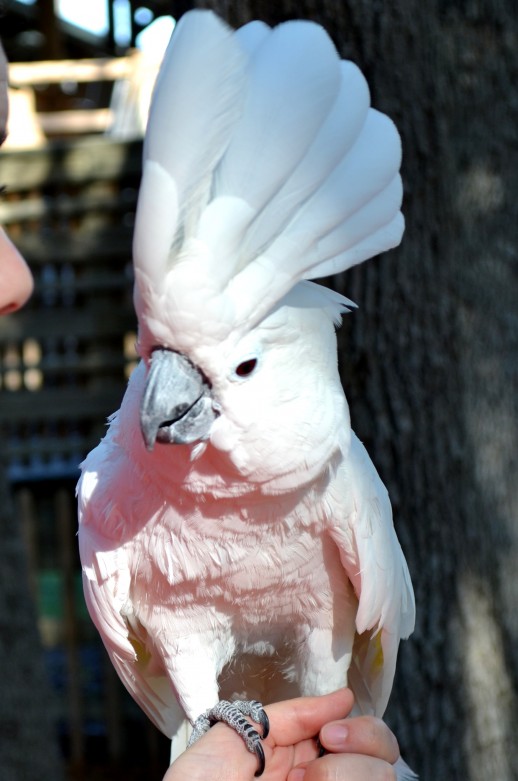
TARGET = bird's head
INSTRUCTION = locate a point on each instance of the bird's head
(269, 400)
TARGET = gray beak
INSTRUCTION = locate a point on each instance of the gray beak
(177, 404)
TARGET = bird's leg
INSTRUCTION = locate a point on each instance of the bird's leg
(197, 661)
(233, 714)
(320, 670)
(324, 658)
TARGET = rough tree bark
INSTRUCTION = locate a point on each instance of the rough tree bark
(430, 359)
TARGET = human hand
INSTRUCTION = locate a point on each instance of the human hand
(361, 749)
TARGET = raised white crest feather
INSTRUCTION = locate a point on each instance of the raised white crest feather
(263, 167)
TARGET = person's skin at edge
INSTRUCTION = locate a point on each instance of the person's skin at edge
(16, 282)
(360, 749)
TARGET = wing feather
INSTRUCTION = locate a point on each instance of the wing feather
(106, 586)
(375, 564)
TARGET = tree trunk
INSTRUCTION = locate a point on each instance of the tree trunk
(430, 360)
(28, 740)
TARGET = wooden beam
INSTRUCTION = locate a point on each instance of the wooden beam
(39, 207)
(107, 321)
(23, 74)
(70, 162)
(57, 404)
(76, 121)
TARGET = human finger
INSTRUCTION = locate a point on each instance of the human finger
(295, 720)
(221, 753)
(338, 767)
(360, 735)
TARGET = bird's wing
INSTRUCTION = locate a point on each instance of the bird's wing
(106, 585)
(263, 165)
(375, 564)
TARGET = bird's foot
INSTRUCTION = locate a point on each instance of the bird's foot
(233, 714)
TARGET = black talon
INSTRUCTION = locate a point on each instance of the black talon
(262, 762)
(256, 711)
(265, 724)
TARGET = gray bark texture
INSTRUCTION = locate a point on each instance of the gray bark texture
(28, 738)
(430, 360)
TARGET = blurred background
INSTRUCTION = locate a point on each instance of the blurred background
(429, 363)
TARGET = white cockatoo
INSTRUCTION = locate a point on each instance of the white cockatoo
(234, 534)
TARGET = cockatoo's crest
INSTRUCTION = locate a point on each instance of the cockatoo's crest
(263, 166)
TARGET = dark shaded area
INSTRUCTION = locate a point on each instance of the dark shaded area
(28, 746)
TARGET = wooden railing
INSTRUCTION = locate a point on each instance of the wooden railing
(130, 80)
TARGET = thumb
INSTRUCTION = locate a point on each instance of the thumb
(295, 720)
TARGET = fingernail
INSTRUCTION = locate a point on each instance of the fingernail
(297, 774)
(334, 735)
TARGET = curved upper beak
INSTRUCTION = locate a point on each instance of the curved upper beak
(177, 403)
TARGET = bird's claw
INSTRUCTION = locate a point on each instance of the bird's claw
(233, 714)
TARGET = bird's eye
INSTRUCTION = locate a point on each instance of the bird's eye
(246, 367)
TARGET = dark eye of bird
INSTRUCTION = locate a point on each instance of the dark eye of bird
(246, 368)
